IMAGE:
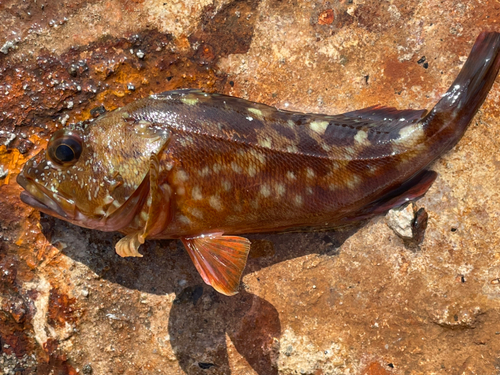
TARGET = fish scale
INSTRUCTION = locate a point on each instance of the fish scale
(209, 168)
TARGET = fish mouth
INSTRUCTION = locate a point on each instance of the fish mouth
(38, 197)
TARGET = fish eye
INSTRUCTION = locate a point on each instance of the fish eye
(65, 147)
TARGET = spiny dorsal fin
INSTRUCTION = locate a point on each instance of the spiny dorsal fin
(219, 259)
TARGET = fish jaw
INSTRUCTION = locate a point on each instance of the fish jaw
(50, 203)
(54, 204)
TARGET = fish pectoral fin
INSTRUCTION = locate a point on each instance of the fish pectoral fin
(219, 259)
(129, 245)
(159, 206)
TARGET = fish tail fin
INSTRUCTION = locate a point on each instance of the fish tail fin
(453, 113)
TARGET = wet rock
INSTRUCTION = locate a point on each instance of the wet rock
(3, 172)
(400, 220)
(8, 45)
(408, 223)
(87, 370)
(346, 301)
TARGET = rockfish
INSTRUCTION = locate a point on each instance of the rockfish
(207, 168)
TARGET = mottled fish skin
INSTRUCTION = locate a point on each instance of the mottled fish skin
(196, 166)
(256, 168)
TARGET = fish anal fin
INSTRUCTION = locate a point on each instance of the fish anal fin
(219, 259)
(414, 189)
(411, 190)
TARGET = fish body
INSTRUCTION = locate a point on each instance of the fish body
(206, 168)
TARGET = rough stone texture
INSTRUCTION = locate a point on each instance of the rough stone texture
(349, 302)
(400, 220)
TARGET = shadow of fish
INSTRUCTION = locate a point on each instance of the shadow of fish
(207, 168)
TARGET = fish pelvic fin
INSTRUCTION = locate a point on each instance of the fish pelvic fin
(129, 245)
(219, 259)
(452, 115)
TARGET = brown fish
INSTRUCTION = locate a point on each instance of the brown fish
(206, 168)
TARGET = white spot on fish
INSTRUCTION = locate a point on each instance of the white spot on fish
(254, 204)
(290, 175)
(181, 176)
(298, 200)
(310, 173)
(265, 191)
(410, 135)
(196, 193)
(189, 100)
(353, 181)
(325, 147)
(215, 203)
(196, 213)
(226, 185)
(249, 118)
(204, 172)
(256, 112)
(280, 189)
(235, 167)
(169, 166)
(251, 171)
(319, 126)
(184, 219)
(261, 157)
(349, 153)
(361, 138)
(266, 142)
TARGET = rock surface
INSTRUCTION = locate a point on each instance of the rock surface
(356, 301)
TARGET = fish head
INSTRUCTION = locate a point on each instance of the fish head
(94, 176)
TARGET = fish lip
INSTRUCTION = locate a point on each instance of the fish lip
(39, 201)
(30, 200)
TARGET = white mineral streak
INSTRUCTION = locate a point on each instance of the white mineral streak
(176, 17)
(299, 355)
(40, 325)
